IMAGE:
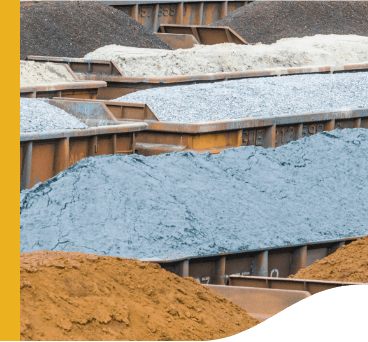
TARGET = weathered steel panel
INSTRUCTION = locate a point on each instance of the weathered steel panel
(316, 254)
(260, 303)
(42, 168)
(203, 272)
(178, 41)
(279, 264)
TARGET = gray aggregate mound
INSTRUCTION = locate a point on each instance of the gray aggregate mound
(255, 97)
(38, 116)
(269, 21)
(185, 204)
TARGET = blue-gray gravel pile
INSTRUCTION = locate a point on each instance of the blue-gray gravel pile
(184, 204)
(256, 97)
(38, 116)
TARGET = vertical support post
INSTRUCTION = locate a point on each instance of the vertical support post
(201, 5)
(330, 125)
(61, 161)
(135, 12)
(196, 35)
(240, 138)
(25, 182)
(299, 132)
(155, 24)
(180, 14)
(357, 123)
(92, 148)
(184, 269)
(270, 137)
(228, 35)
(260, 265)
(113, 143)
(223, 12)
(335, 247)
(220, 276)
(298, 259)
(133, 143)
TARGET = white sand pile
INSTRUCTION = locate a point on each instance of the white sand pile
(34, 74)
(205, 59)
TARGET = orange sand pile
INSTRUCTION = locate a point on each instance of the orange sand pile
(76, 296)
(349, 263)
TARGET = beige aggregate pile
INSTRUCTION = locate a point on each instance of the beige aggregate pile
(35, 74)
(316, 50)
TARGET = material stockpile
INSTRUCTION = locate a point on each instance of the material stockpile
(81, 297)
(256, 97)
(186, 204)
(39, 116)
(76, 28)
(36, 74)
(349, 263)
(269, 21)
(331, 50)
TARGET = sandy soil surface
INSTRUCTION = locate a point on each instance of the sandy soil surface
(349, 263)
(76, 296)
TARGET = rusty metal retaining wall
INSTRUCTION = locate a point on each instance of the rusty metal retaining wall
(263, 297)
(309, 285)
(214, 137)
(217, 136)
(273, 262)
(78, 89)
(43, 155)
(153, 13)
(206, 35)
(119, 85)
(178, 41)
(257, 302)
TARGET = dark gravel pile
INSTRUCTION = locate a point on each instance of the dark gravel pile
(74, 29)
(269, 21)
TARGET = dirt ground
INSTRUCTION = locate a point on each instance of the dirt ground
(349, 263)
(76, 296)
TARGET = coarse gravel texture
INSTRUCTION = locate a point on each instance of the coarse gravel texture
(38, 116)
(74, 29)
(255, 97)
(269, 21)
(35, 74)
(332, 50)
(185, 204)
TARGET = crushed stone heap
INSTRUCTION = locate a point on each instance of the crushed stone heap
(82, 297)
(331, 50)
(187, 204)
(76, 28)
(269, 21)
(255, 97)
(349, 263)
(37, 115)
